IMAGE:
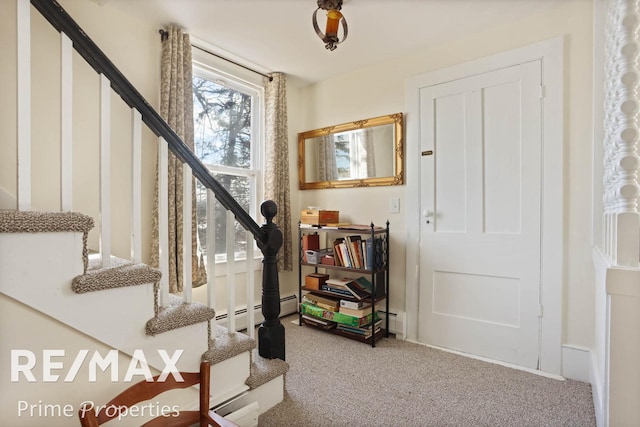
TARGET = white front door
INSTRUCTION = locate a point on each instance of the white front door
(480, 184)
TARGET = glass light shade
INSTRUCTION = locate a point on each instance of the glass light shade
(333, 21)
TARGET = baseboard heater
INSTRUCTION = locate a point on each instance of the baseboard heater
(396, 323)
(288, 305)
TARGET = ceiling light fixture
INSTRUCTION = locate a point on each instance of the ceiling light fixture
(334, 17)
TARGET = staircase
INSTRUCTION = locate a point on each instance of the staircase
(79, 323)
(45, 264)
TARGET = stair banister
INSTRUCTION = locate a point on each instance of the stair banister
(268, 237)
(61, 21)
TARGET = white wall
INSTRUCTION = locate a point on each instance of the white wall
(379, 90)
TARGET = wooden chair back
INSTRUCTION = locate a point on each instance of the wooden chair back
(146, 390)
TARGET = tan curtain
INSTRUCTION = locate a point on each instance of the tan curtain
(369, 153)
(176, 107)
(277, 161)
(327, 168)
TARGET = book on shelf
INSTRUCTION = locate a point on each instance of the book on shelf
(336, 316)
(353, 243)
(338, 292)
(328, 303)
(375, 253)
(363, 251)
(365, 331)
(359, 312)
(353, 304)
(348, 285)
(337, 225)
(337, 253)
(321, 323)
(366, 284)
(346, 257)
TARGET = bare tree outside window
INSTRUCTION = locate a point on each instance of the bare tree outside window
(223, 137)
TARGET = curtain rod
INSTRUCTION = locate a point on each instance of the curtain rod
(164, 34)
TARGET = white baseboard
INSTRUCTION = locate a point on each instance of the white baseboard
(288, 305)
(576, 363)
(598, 393)
(497, 362)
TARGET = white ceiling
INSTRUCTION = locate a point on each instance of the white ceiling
(277, 35)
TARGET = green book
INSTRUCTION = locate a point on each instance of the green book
(336, 316)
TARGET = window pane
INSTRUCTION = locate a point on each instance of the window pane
(222, 124)
(239, 187)
(343, 154)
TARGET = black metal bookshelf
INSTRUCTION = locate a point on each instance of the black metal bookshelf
(377, 272)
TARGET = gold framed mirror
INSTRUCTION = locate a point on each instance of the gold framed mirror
(364, 153)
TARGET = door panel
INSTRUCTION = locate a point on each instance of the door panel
(501, 156)
(450, 171)
(469, 296)
(480, 198)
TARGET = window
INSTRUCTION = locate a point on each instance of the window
(226, 115)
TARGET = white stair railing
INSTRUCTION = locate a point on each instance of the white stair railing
(24, 182)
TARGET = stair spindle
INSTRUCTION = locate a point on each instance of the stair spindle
(66, 123)
(105, 170)
(211, 249)
(186, 233)
(24, 104)
(231, 272)
(251, 317)
(163, 219)
(136, 186)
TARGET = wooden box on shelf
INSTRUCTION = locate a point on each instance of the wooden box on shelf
(315, 280)
(319, 217)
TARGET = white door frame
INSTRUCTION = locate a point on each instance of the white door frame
(551, 53)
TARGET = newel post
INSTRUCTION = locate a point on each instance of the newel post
(271, 331)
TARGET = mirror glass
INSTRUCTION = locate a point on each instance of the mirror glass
(357, 154)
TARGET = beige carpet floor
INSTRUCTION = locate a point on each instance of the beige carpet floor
(335, 381)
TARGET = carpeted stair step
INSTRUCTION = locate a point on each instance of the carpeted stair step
(264, 370)
(119, 274)
(178, 314)
(14, 221)
(226, 345)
